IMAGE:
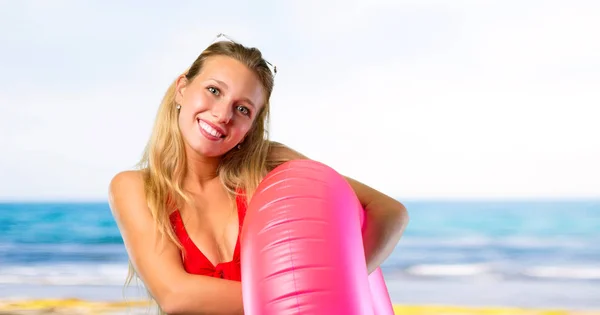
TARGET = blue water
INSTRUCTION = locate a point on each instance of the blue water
(79, 243)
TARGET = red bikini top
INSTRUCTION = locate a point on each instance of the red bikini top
(195, 262)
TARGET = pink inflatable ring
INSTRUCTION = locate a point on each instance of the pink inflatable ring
(302, 249)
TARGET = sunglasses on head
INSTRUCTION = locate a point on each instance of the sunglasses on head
(224, 38)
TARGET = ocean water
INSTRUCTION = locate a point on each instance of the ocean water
(516, 253)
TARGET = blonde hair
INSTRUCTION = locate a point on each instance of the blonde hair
(164, 165)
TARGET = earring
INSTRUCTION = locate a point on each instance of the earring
(239, 146)
(178, 107)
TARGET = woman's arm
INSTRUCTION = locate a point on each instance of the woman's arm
(386, 218)
(158, 262)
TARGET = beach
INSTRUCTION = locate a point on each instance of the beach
(76, 306)
(476, 116)
(455, 258)
(408, 297)
(83, 307)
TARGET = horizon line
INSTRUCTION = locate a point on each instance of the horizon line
(404, 199)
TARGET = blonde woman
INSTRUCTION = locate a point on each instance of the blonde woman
(181, 213)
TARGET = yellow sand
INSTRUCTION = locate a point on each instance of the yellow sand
(454, 310)
(75, 306)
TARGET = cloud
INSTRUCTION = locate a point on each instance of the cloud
(416, 98)
(468, 117)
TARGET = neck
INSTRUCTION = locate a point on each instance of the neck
(201, 172)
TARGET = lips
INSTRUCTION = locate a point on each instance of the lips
(210, 130)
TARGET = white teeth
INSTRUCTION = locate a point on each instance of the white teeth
(206, 127)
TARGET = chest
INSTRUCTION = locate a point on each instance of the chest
(212, 225)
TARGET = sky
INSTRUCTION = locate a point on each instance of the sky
(420, 99)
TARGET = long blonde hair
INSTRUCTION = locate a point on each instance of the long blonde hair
(164, 163)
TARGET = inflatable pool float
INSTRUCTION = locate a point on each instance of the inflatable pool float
(302, 250)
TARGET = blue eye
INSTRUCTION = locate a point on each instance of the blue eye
(243, 109)
(214, 90)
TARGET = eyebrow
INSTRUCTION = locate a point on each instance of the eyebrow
(245, 99)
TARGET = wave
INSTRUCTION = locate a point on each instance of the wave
(449, 270)
(114, 274)
(478, 241)
(572, 272)
(503, 273)
(65, 274)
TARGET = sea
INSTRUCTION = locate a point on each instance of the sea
(528, 253)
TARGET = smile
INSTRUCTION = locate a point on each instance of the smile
(209, 131)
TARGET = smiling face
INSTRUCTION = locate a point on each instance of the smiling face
(218, 106)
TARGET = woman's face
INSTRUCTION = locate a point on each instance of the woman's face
(219, 106)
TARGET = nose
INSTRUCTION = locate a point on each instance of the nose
(222, 112)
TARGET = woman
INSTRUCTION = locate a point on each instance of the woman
(180, 214)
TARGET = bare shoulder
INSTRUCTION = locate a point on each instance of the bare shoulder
(126, 191)
(282, 153)
(126, 178)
